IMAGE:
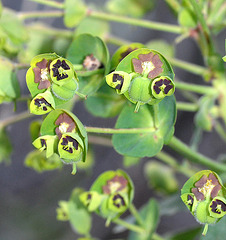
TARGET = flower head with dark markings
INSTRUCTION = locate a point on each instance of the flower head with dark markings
(116, 184)
(91, 63)
(206, 187)
(148, 65)
(65, 124)
(42, 75)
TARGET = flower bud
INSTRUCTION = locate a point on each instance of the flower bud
(119, 80)
(70, 147)
(61, 71)
(47, 143)
(91, 200)
(42, 103)
(162, 87)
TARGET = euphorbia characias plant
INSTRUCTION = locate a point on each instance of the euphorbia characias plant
(133, 84)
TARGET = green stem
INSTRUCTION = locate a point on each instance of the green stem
(174, 4)
(119, 130)
(166, 158)
(51, 31)
(155, 236)
(14, 119)
(129, 226)
(205, 28)
(189, 107)
(50, 3)
(136, 22)
(40, 14)
(136, 215)
(220, 130)
(189, 67)
(116, 41)
(194, 156)
(195, 88)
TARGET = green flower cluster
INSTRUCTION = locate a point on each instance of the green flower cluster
(143, 76)
(62, 133)
(51, 81)
(205, 197)
(110, 195)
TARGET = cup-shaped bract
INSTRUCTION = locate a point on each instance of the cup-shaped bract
(90, 56)
(122, 52)
(205, 197)
(151, 76)
(71, 134)
(117, 192)
(42, 103)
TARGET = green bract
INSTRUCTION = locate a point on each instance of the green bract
(64, 134)
(110, 195)
(122, 52)
(50, 75)
(151, 77)
(90, 57)
(205, 197)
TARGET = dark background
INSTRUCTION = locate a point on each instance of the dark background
(28, 200)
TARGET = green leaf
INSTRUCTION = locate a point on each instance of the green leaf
(37, 161)
(105, 103)
(13, 26)
(160, 177)
(93, 26)
(216, 232)
(203, 117)
(5, 146)
(187, 234)
(132, 8)
(74, 12)
(85, 45)
(150, 215)
(79, 217)
(9, 86)
(186, 18)
(145, 144)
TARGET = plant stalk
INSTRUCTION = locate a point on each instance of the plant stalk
(194, 156)
(119, 130)
(136, 22)
(189, 107)
(50, 3)
(195, 88)
(129, 226)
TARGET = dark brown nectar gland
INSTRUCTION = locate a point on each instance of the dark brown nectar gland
(218, 206)
(128, 51)
(58, 69)
(190, 200)
(118, 78)
(43, 144)
(116, 184)
(118, 201)
(91, 63)
(69, 144)
(163, 85)
(42, 103)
